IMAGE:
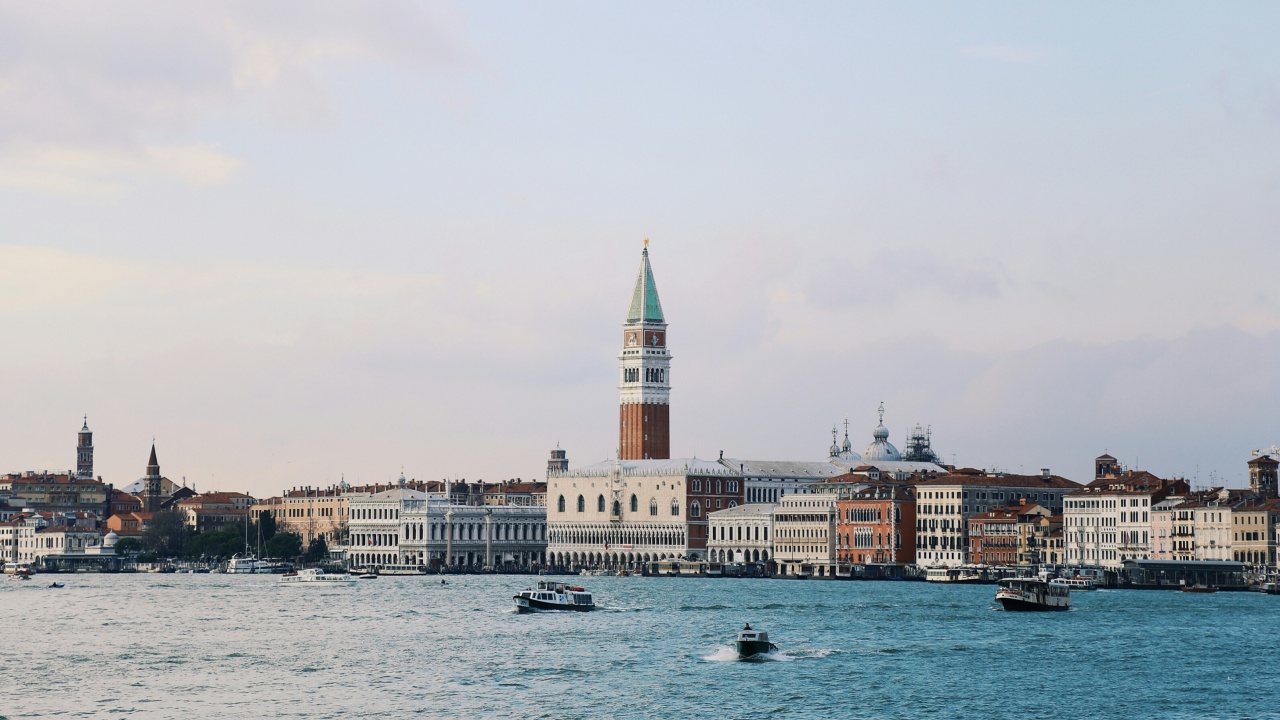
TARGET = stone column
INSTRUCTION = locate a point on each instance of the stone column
(488, 538)
(448, 539)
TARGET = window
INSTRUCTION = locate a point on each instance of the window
(600, 504)
(582, 504)
(653, 506)
(697, 486)
(695, 510)
(560, 504)
(635, 504)
(675, 507)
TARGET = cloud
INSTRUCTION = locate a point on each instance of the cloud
(888, 276)
(1019, 54)
(75, 170)
(95, 91)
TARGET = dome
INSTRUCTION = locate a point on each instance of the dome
(880, 448)
(110, 540)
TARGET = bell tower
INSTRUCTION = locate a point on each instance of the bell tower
(84, 452)
(644, 368)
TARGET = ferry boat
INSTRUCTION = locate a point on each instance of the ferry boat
(1032, 594)
(752, 644)
(952, 575)
(1078, 582)
(316, 576)
(553, 596)
(248, 564)
(17, 568)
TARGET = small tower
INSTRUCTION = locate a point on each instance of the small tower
(558, 463)
(84, 452)
(644, 366)
(1262, 474)
(1104, 466)
(151, 499)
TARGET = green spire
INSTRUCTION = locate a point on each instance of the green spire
(645, 306)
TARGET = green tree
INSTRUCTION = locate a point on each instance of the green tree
(128, 546)
(318, 550)
(216, 544)
(166, 534)
(284, 545)
(267, 525)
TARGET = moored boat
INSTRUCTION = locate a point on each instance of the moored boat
(1199, 589)
(751, 644)
(1032, 594)
(553, 596)
(1078, 582)
(316, 576)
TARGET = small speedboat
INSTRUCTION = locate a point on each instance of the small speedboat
(316, 576)
(57, 585)
(1032, 594)
(368, 576)
(553, 596)
(752, 644)
(1199, 589)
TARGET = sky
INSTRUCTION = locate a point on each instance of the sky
(302, 241)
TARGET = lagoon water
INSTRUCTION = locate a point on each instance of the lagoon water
(217, 646)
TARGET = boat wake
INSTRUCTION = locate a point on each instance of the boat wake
(726, 653)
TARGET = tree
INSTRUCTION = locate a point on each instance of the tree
(221, 543)
(318, 550)
(266, 525)
(166, 534)
(285, 545)
(128, 546)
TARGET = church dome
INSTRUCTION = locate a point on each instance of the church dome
(880, 447)
(110, 540)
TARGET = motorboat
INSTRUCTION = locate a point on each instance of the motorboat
(57, 586)
(752, 644)
(1032, 594)
(316, 576)
(368, 576)
(1078, 582)
(1199, 589)
(553, 596)
(248, 564)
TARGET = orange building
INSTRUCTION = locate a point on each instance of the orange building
(993, 536)
(877, 526)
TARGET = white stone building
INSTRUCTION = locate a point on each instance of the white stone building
(1109, 520)
(945, 503)
(742, 534)
(408, 527)
(804, 540)
(625, 513)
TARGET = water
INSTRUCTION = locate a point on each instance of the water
(212, 646)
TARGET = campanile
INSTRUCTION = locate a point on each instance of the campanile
(644, 369)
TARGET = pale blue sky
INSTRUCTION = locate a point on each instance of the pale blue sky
(299, 240)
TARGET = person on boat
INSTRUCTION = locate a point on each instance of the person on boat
(747, 626)
(442, 582)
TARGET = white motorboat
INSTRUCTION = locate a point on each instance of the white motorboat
(248, 564)
(316, 576)
(553, 596)
(1078, 582)
(1032, 594)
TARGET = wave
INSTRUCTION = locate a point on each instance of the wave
(704, 607)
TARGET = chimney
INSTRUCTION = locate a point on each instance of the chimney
(1044, 473)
